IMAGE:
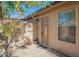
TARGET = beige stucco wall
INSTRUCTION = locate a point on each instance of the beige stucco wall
(65, 47)
(35, 31)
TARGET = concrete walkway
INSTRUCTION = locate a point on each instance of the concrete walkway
(36, 51)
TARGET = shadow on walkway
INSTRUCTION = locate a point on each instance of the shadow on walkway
(58, 53)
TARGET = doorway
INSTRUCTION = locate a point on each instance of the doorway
(45, 31)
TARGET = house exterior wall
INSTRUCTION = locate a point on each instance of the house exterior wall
(65, 47)
(35, 31)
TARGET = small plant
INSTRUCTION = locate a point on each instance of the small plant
(7, 28)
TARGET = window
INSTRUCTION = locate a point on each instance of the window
(67, 25)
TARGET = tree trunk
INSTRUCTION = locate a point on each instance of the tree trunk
(6, 48)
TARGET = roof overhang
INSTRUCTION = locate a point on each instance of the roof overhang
(44, 10)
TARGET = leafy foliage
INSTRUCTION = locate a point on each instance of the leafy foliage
(8, 28)
(10, 7)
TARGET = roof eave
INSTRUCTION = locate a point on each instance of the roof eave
(44, 10)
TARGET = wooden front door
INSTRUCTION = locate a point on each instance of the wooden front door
(45, 31)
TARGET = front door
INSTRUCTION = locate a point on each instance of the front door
(45, 35)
